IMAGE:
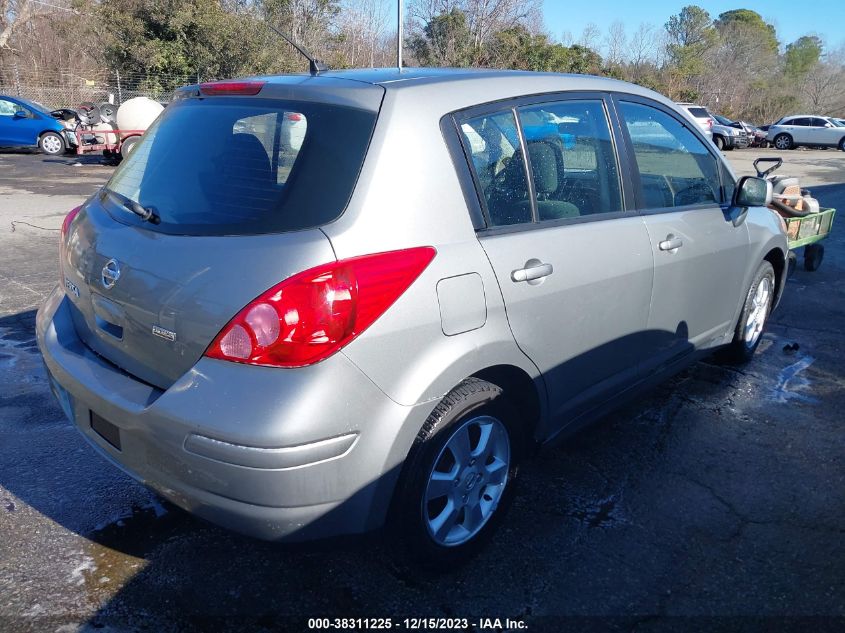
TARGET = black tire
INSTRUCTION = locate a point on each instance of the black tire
(128, 145)
(842, 144)
(51, 143)
(813, 256)
(472, 402)
(783, 141)
(740, 349)
(719, 142)
(791, 263)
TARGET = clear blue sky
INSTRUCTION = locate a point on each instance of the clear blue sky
(791, 18)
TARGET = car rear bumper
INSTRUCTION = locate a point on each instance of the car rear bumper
(276, 454)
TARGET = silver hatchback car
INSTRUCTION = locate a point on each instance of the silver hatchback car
(374, 327)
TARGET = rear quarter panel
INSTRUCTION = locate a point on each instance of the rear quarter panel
(409, 195)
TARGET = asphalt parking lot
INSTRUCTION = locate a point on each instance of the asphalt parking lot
(717, 502)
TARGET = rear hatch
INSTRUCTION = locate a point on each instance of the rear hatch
(234, 208)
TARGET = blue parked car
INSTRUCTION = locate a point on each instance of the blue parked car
(26, 124)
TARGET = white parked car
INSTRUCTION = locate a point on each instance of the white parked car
(701, 116)
(806, 129)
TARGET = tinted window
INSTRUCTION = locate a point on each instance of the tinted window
(573, 163)
(802, 122)
(244, 166)
(492, 142)
(699, 113)
(818, 122)
(676, 168)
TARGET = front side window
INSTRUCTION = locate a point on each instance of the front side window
(676, 168)
(492, 143)
(573, 162)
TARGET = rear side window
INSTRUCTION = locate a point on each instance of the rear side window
(234, 166)
(493, 145)
(676, 169)
(573, 163)
(7, 108)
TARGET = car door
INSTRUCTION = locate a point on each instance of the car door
(20, 130)
(700, 249)
(574, 268)
(9, 124)
(801, 131)
(823, 132)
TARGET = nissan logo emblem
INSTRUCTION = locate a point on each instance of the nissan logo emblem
(111, 273)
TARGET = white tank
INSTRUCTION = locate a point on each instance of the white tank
(138, 113)
(104, 138)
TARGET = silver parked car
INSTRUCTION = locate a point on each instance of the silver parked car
(815, 131)
(454, 268)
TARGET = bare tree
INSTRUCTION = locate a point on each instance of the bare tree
(590, 36)
(488, 16)
(483, 17)
(615, 44)
(823, 89)
(362, 25)
(15, 14)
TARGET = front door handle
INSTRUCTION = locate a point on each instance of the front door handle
(534, 270)
(671, 243)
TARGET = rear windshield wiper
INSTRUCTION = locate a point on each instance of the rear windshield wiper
(147, 214)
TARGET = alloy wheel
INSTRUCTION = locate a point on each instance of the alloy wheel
(51, 144)
(758, 313)
(467, 481)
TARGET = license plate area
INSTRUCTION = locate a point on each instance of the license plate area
(105, 429)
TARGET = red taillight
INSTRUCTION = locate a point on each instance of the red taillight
(68, 219)
(310, 316)
(710, 123)
(294, 116)
(232, 87)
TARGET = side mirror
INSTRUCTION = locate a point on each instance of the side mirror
(20, 114)
(752, 192)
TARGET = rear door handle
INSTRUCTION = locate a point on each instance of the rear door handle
(534, 270)
(671, 243)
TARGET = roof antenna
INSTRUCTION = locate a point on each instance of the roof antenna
(315, 66)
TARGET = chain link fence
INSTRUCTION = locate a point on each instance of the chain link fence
(57, 89)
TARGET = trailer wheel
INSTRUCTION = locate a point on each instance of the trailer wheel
(813, 255)
(127, 145)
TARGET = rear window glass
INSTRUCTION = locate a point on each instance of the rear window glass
(223, 166)
(699, 113)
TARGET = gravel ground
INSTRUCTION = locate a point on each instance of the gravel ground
(716, 502)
